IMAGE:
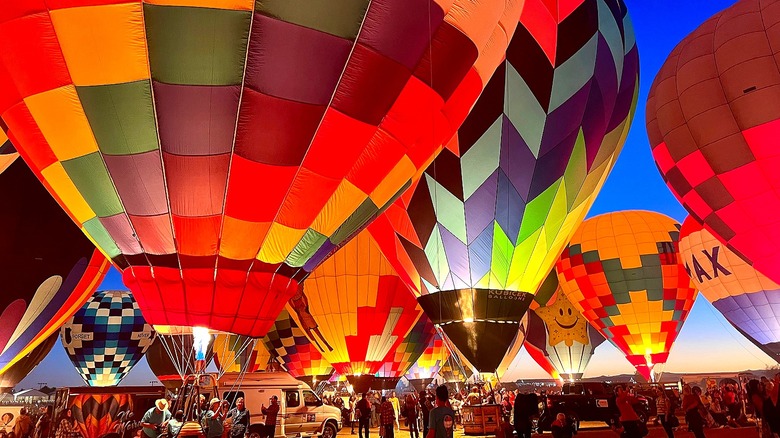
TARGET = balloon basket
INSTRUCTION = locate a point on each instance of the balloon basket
(191, 428)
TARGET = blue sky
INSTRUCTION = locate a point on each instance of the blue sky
(707, 342)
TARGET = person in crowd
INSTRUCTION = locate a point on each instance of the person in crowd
(173, 427)
(239, 416)
(69, 428)
(562, 427)
(756, 397)
(771, 406)
(412, 409)
(441, 422)
(474, 397)
(352, 419)
(665, 412)
(393, 399)
(363, 414)
(271, 413)
(153, 419)
(692, 406)
(387, 418)
(24, 425)
(526, 406)
(44, 423)
(629, 419)
(425, 410)
(213, 419)
(717, 410)
(375, 410)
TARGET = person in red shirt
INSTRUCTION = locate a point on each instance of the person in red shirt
(628, 418)
(387, 418)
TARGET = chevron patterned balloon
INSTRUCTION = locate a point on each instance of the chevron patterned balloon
(494, 210)
(289, 345)
(431, 361)
(398, 362)
(106, 337)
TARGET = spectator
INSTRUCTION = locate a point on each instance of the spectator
(425, 409)
(154, 418)
(24, 425)
(387, 418)
(665, 412)
(562, 427)
(174, 424)
(691, 406)
(271, 413)
(363, 414)
(240, 419)
(629, 420)
(441, 423)
(411, 407)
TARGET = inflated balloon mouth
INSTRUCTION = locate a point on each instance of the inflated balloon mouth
(202, 339)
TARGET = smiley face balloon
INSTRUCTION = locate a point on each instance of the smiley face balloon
(559, 337)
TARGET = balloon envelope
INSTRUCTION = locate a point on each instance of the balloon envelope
(223, 151)
(355, 308)
(288, 344)
(19, 370)
(239, 354)
(48, 269)
(431, 361)
(713, 120)
(746, 297)
(106, 337)
(398, 362)
(8, 153)
(624, 273)
(563, 337)
(493, 211)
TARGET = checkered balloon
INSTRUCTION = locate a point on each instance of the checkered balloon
(106, 337)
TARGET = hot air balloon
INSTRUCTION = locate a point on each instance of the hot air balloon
(239, 354)
(559, 337)
(19, 370)
(287, 343)
(622, 271)
(713, 125)
(454, 371)
(217, 154)
(106, 337)
(356, 309)
(743, 295)
(429, 364)
(99, 414)
(493, 211)
(48, 269)
(398, 362)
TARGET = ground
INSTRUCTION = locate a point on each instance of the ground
(596, 430)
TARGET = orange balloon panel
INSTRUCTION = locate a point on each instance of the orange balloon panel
(355, 308)
(748, 299)
(622, 270)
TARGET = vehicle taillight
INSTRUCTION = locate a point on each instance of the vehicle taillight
(549, 403)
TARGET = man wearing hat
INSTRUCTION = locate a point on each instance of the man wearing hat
(213, 418)
(154, 418)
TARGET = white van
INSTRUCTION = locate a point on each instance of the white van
(301, 411)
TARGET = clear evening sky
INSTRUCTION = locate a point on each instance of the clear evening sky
(707, 342)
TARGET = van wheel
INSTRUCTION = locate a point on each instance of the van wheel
(329, 431)
(254, 432)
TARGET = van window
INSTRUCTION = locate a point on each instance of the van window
(310, 398)
(292, 399)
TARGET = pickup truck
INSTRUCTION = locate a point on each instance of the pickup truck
(587, 401)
